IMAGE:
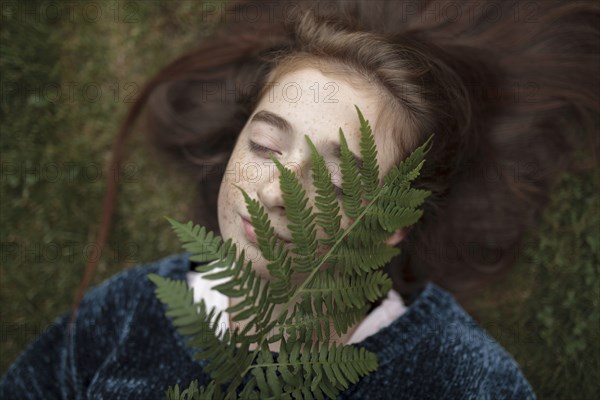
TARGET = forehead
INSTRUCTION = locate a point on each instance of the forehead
(318, 103)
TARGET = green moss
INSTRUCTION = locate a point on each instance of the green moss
(547, 313)
(56, 136)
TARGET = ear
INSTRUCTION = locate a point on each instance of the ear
(397, 237)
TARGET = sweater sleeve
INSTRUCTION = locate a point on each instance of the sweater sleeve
(435, 350)
(65, 362)
(460, 360)
(51, 367)
(40, 372)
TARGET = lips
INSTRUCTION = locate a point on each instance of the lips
(249, 230)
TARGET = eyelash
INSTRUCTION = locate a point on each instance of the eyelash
(257, 148)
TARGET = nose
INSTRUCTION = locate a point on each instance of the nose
(270, 195)
(269, 192)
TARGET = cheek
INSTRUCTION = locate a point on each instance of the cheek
(226, 202)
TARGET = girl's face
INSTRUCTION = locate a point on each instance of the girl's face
(303, 102)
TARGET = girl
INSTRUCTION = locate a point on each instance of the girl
(497, 83)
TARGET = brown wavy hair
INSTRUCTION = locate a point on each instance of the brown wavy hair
(507, 87)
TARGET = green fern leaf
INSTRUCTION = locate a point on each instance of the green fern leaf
(325, 200)
(350, 180)
(362, 258)
(301, 219)
(303, 327)
(201, 326)
(279, 263)
(326, 369)
(194, 392)
(347, 291)
(370, 170)
(408, 170)
(205, 245)
(336, 290)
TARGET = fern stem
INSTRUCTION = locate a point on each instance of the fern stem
(302, 287)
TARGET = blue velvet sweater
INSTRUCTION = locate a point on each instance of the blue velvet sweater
(123, 347)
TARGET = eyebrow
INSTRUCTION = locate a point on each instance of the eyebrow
(282, 124)
(274, 120)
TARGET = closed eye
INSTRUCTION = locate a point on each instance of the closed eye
(257, 148)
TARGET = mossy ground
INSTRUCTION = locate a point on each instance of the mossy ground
(67, 80)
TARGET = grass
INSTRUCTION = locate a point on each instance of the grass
(547, 313)
(54, 152)
(56, 136)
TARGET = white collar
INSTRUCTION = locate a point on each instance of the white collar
(387, 312)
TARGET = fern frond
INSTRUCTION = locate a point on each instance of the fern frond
(262, 227)
(205, 245)
(201, 327)
(329, 300)
(396, 203)
(370, 170)
(336, 289)
(350, 180)
(325, 200)
(360, 258)
(408, 170)
(195, 392)
(318, 371)
(404, 197)
(301, 219)
(304, 327)
(279, 261)
(330, 294)
(256, 304)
